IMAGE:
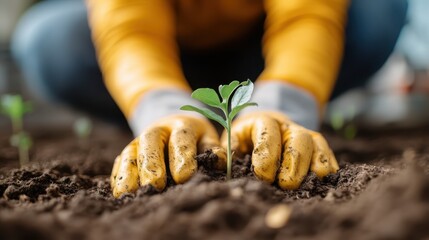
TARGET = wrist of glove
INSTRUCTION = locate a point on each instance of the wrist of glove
(159, 104)
(294, 102)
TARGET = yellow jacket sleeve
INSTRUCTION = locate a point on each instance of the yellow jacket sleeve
(136, 46)
(303, 43)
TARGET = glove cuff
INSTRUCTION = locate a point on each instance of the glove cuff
(158, 104)
(296, 103)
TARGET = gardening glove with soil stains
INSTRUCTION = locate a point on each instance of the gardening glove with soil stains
(281, 148)
(142, 162)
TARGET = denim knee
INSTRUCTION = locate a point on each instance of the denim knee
(52, 47)
(372, 30)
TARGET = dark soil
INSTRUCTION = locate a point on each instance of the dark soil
(380, 192)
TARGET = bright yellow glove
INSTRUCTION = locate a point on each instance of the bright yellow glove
(142, 162)
(281, 148)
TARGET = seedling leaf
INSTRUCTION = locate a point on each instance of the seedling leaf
(242, 95)
(207, 113)
(14, 106)
(226, 90)
(82, 127)
(240, 100)
(207, 96)
(337, 121)
(237, 109)
(350, 131)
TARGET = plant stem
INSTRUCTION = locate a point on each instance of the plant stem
(228, 151)
(16, 125)
(23, 156)
(228, 154)
(228, 147)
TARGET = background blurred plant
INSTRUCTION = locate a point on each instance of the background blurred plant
(345, 128)
(82, 128)
(15, 108)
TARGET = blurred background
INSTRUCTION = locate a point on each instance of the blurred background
(397, 96)
(10, 12)
(44, 114)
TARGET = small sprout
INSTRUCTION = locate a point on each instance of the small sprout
(240, 92)
(82, 127)
(346, 128)
(23, 142)
(337, 121)
(14, 107)
(350, 131)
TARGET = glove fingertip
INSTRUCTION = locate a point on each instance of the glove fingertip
(221, 158)
(288, 183)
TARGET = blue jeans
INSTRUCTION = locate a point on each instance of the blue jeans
(53, 48)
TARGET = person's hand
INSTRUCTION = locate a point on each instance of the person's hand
(281, 149)
(142, 162)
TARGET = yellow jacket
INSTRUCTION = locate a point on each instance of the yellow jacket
(137, 41)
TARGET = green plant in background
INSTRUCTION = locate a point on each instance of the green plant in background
(82, 128)
(240, 92)
(343, 127)
(15, 108)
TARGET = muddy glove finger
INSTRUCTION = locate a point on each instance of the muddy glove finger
(260, 135)
(124, 178)
(185, 136)
(182, 151)
(209, 140)
(266, 138)
(150, 159)
(323, 161)
(297, 153)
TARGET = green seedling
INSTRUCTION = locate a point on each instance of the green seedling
(15, 108)
(234, 98)
(345, 128)
(82, 128)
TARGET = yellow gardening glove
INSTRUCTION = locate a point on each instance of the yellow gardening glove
(281, 149)
(142, 162)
